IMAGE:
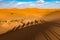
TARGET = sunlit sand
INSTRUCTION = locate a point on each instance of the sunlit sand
(28, 14)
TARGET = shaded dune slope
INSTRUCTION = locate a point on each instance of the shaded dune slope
(46, 29)
(30, 32)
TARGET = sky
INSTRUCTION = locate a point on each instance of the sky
(29, 4)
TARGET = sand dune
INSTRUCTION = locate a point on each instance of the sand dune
(10, 18)
(19, 14)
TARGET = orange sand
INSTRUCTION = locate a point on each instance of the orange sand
(14, 13)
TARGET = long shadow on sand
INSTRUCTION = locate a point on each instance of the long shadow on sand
(27, 33)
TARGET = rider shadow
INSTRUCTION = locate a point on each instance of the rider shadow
(27, 33)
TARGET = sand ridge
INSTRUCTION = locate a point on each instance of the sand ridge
(28, 14)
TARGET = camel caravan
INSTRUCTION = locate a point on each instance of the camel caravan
(45, 28)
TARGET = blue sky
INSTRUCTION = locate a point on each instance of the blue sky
(29, 3)
(28, 0)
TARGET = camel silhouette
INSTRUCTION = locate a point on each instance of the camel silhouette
(28, 33)
(46, 28)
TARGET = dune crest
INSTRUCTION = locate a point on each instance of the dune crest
(26, 15)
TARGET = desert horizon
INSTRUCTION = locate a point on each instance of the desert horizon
(42, 23)
(29, 19)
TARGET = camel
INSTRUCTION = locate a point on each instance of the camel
(48, 29)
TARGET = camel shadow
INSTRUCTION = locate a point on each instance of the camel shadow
(27, 33)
